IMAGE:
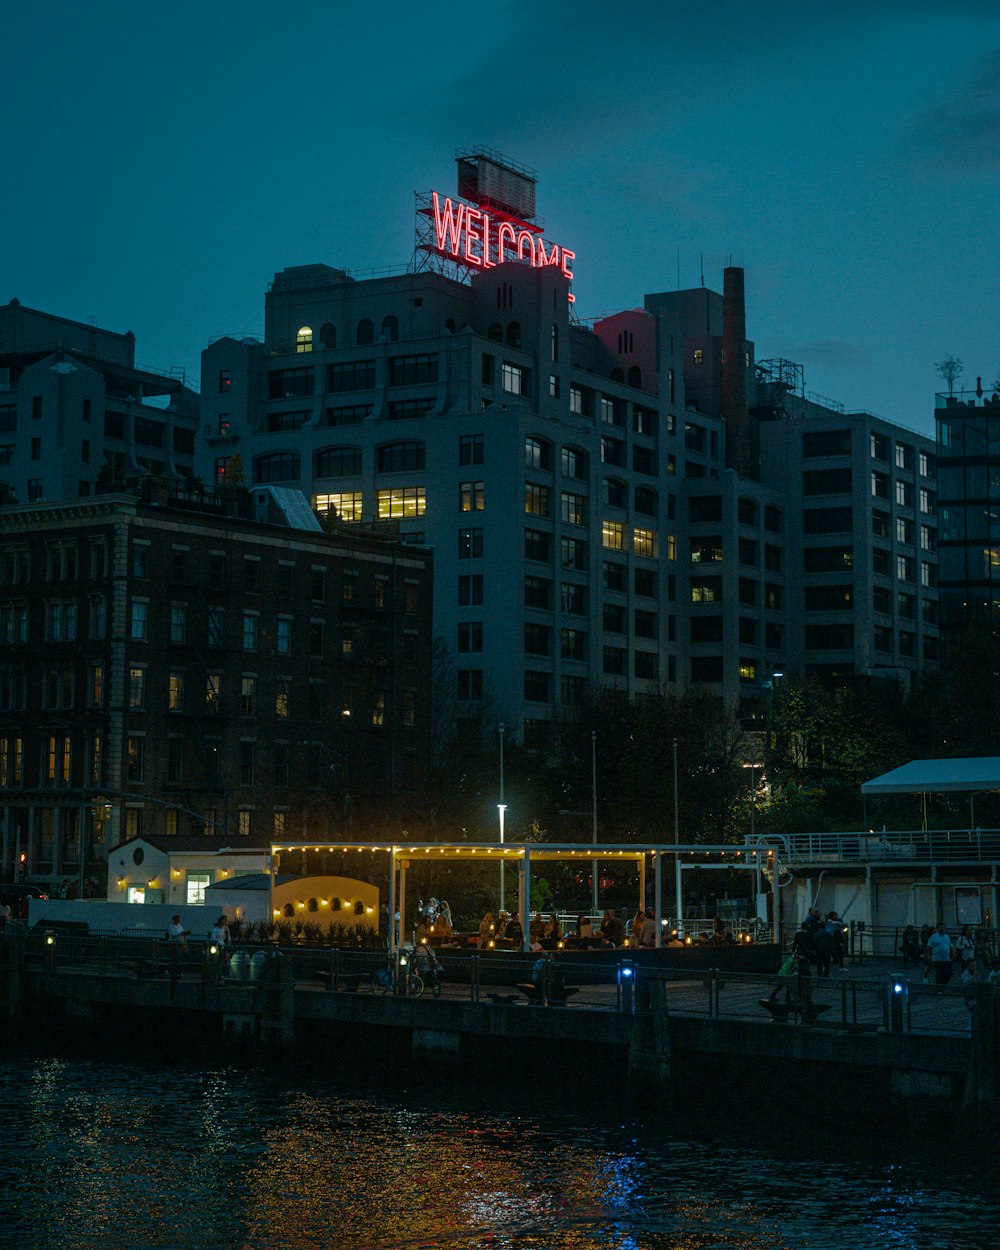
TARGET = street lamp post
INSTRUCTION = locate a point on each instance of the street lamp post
(677, 818)
(593, 813)
(501, 812)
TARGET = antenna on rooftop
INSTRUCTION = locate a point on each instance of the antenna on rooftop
(701, 261)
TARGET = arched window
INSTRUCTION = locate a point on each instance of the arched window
(634, 376)
(513, 334)
(279, 466)
(366, 332)
(495, 333)
(328, 335)
(399, 457)
(390, 329)
(537, 453)
(304, 340)
(337, 462)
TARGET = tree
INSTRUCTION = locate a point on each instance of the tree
(951, 369)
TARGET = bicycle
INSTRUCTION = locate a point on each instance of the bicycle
(384, 980)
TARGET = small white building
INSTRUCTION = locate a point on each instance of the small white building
(177, 870)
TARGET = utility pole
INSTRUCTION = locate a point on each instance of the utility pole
(501, 812)
(677, 816)
(593, 810)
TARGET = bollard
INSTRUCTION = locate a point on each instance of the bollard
(897, 992)
(474, 979)
(49, 952)
(626, 987)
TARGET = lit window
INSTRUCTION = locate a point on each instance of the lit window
(699, 356)
(345, 506)
(137, 687)
(471, 496)
(644, 543)
(613, 535)
(513, 379)
(304, 340)
(175, 692)
(401, 501)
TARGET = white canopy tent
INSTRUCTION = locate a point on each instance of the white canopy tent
(971, 776)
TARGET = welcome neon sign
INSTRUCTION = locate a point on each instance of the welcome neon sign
(471, 236)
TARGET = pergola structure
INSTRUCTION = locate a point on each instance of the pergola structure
(402, 856)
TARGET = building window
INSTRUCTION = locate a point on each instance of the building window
(251, 620)
(248, 687)
(413, 370)
(614, 661)
(343, 506)
(573, 508)
(175, 692)
(536, 686)
(573, 644)
(613, 535)
(213, 692)
(316, 633)
(337, 462)
(283, 638)
(135, 752)
(139, 622)
(537, 638)
(537, 453)
(140, 560)
(471, 496)
(470, 449)
(278, 466)
(137, 686)
(247, 763)
(537, 546)
(401, 501)
(470, 544)
(573, 552)
(537, 499)
(645, 543)
(400, 457)
(513, 379)
(470, 636)
(470, 684)
(573, 463)
(470, 589)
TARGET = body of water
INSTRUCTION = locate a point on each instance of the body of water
(122, 1155)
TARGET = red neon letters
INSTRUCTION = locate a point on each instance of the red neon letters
(469, 236)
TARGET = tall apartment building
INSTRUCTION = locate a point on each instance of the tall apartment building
(862, 541)
(170, 667)
(76, 412)
(968, 448)
(539, 458)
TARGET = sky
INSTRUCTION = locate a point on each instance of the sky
(162, 162)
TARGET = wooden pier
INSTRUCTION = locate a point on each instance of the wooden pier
(907, 1044)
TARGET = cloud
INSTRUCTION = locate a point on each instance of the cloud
(831, 353)
(569, 73)
(962, 131)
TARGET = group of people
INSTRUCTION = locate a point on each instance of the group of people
(819, 943)
(941, 955)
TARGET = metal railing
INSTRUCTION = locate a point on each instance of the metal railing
(883, 1001)
(896, 846)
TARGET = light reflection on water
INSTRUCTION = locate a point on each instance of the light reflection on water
(117, 1155)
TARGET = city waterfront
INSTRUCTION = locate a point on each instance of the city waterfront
(208, 1151)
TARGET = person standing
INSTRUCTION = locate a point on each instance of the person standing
(939, 947)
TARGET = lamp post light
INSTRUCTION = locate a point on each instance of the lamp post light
(677, 817)
(501, 811)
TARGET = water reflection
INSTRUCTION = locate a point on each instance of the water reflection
(117, 1155)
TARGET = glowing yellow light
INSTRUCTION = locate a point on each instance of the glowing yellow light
(176, 872)
(492, 944)
(50, 940)
(275, 912)
(300, 906)
(369, 910)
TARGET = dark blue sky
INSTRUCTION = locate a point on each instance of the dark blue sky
(161, 162)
